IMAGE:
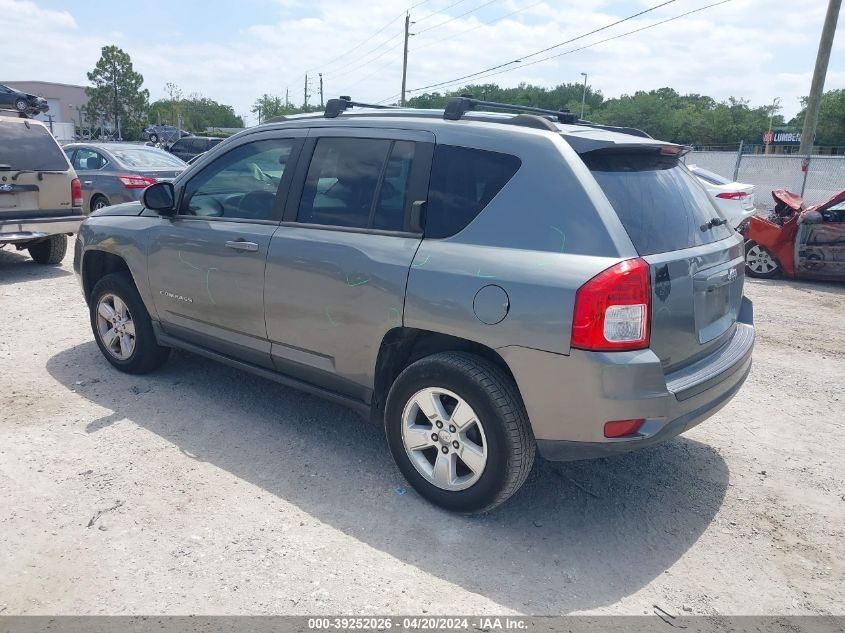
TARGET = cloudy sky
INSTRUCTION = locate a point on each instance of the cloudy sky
(235, 51)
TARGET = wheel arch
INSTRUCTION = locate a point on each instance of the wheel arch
(96, 264)
(403, 346)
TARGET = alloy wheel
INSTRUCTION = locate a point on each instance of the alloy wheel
(115, 326)
(444, 439)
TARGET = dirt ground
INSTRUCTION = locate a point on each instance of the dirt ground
(200, 489)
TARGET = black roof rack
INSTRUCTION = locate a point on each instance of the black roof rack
(459, 106)
(335, 106)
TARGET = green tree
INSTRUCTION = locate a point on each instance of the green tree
(116, 95)
(268, 106)
(198, 112)
(830, 130)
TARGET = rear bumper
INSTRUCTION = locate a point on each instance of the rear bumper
(14, 231)
(569, 398)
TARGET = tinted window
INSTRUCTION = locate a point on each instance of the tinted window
(241, 183)
(151, 158)
(30, 146)
(709, 176)
(196, 145)
(213, 141)
(351, 182)
(658, 201)
(87, 159)
(179, 146)
(463, 182)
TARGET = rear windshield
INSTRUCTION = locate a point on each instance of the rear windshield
(659, 202)
(147, 158)
(30, 147)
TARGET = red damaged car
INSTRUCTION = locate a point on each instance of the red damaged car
(797, 241)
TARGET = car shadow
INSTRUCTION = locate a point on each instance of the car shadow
(577, 536)
(18, 267)
(806, 285)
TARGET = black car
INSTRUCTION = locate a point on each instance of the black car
(191, 146)
(22, 101)
(167, 133)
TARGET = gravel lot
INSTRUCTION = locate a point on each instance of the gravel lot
(199, 489)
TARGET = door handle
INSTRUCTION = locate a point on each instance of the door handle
(242, 245)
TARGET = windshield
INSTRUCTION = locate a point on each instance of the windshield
(709, 176)
(30, 146)
(147, 158)
(661, 205)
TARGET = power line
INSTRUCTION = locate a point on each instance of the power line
(457, 17)
(581, 48)
(515, 61)
(478, 26)
(439, 11)
(347, 71)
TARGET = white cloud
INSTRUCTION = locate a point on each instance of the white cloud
(755, 49)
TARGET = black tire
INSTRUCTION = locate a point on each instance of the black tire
(495, 399)
(49, 251)
(21, 105)
(153, 138)
(147, 355)
(98, 202)
(754, 270)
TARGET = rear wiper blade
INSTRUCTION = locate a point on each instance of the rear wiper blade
(713, 222)
(40, 172)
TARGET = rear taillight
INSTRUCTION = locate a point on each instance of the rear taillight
(612, 309)
(136, 182)
(75, 193)
(732, 195)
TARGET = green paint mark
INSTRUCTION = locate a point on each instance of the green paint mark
(356, 282)
(393, 314)
(422, 263)
(562, 237)
(189, 264)
(331, 320)
(478, 274)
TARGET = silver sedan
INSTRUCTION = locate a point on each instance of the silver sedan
(112, 173)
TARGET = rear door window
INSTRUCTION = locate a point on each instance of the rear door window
(359, 183)
(658, 200)
(463, 182)
(25, 145)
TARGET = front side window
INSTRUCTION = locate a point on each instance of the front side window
(241, 183)
(463, 182)
(359, 183)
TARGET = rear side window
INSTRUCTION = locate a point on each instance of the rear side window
(463, 181)
(30, 146)
(359, 183)
(659, 202)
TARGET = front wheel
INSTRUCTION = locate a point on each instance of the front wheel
(122, 326)
(21, 105)
(153, 138)
(458, 431)
(759, 262)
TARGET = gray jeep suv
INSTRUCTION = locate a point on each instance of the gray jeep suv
(485, 284)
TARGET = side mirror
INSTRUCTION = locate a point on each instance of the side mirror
(160, 197)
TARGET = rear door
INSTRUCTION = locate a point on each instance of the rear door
(338, 265)
(27, 149)
(696, 263)
(89, 165)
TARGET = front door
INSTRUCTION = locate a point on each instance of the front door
(338, 265)
(820, 243)
(206, 265)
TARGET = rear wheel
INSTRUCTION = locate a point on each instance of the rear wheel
(99, 202)
(49, 251)
(759, 262)
(154, 138)
(458, 431)
(122, 326)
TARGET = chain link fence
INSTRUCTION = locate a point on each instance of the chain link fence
(825, 175)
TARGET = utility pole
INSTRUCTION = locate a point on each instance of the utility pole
(287, 101)
(811, 116)
(405, 57)
(321, 91)
(306, 91)
(584, 95)
(114, 81)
